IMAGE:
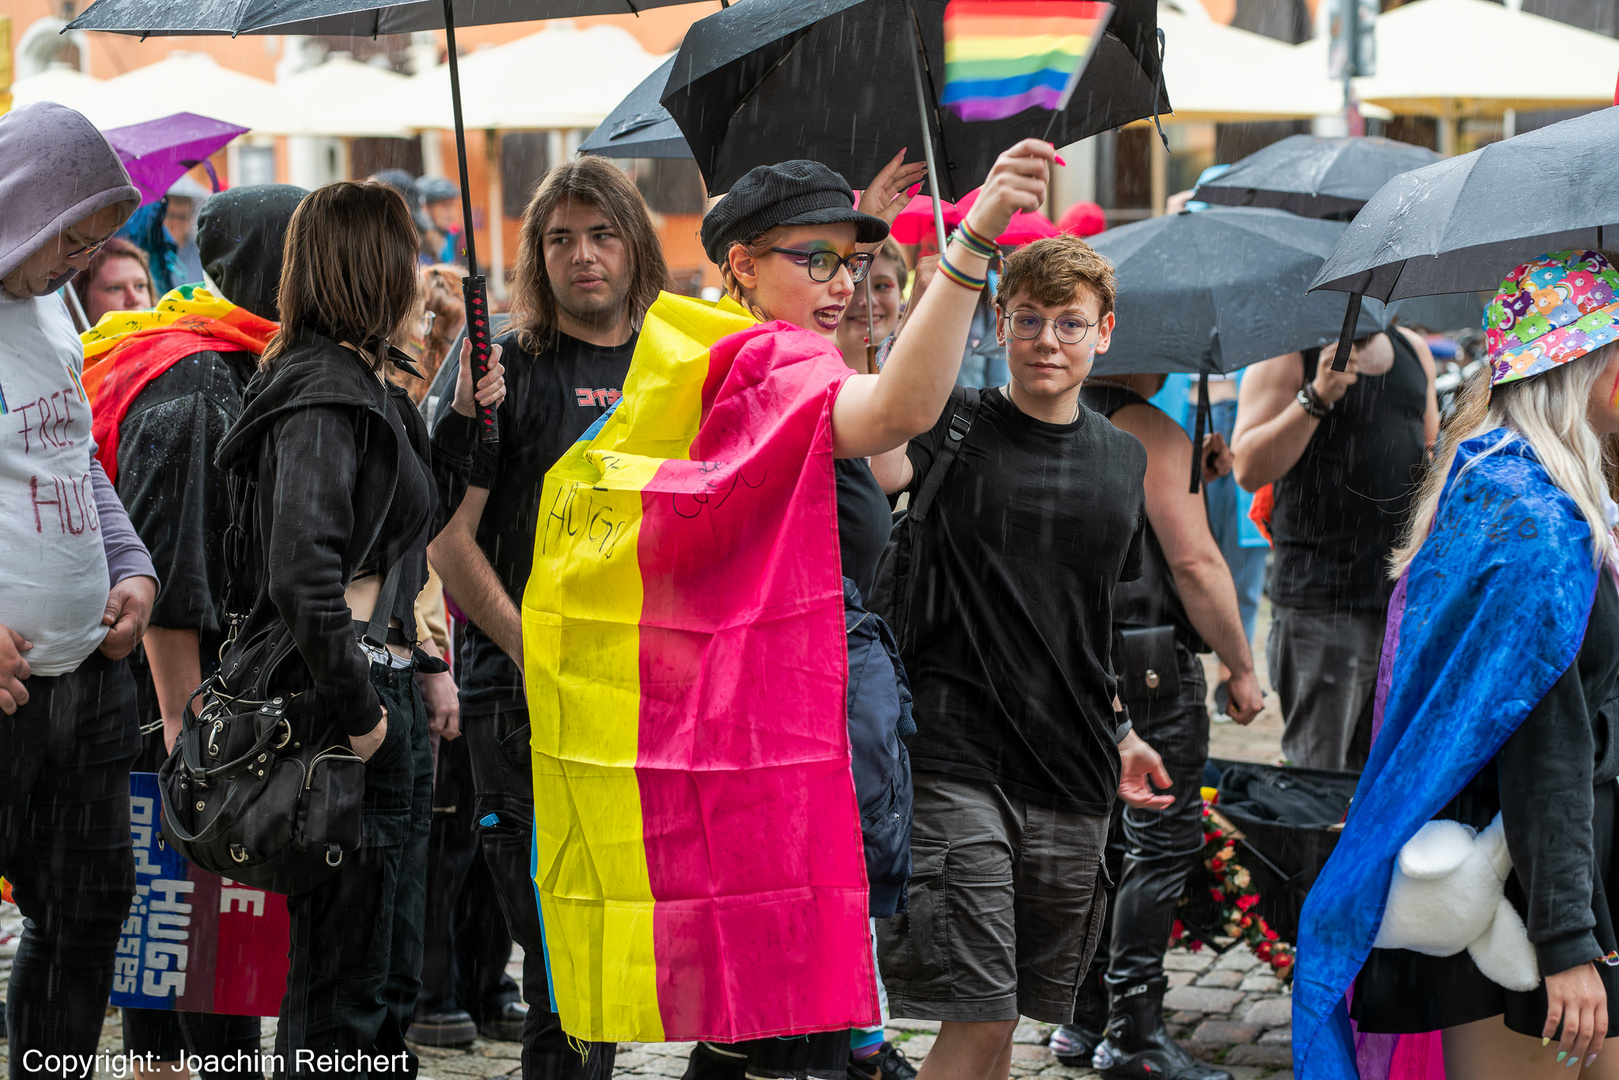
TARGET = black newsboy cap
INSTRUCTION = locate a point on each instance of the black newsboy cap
(790, 193)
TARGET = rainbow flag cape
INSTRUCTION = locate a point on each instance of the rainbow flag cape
(1004, 56)
(697, 849)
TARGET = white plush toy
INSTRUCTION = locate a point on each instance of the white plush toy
(1447, 895)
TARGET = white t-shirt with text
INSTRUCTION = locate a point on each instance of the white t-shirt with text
(53, 570)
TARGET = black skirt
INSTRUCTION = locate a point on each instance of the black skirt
(1403, 992)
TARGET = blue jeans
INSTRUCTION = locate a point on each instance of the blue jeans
(1247, 563)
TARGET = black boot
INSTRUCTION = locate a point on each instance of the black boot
(1073, 1044)
(1137, 1047)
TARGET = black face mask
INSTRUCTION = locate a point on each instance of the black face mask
(240, 235)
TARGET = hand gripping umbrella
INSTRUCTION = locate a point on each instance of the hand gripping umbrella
(1460, 224)
(1216, 290)
(363, 18)
(767, 80)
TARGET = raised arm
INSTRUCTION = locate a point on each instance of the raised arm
(876, 413)
(1272, 430)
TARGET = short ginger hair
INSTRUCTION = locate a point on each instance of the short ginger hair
(1050, 271)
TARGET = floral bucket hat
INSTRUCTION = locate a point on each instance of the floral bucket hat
(1549, 311)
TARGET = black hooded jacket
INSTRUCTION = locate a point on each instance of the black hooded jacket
(344, 484)
(177, 499)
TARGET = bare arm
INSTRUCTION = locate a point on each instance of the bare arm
(875, 413)
(1430, 414)
(893, 470)
(1181, 523)
(1271, 431)
(469, 578)
(176, 663)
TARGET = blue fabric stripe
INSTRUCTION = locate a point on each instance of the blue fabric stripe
(964, 89)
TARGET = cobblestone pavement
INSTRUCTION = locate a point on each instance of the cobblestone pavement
(1222, 1008)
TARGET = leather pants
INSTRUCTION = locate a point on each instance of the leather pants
(1161, 847)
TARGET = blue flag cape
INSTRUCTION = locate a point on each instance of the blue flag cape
(1496, 604)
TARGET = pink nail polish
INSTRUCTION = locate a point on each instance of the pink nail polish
(1060, 161)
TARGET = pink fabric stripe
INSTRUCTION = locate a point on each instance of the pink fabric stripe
(752, 830)
(999, 108)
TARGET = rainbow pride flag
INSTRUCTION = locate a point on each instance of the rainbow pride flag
(1004, 56)
(697, 848)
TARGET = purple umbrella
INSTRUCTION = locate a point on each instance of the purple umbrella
(159, 152)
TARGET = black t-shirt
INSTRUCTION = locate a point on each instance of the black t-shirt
(864, 522)
(1009, 641)
(551, 399)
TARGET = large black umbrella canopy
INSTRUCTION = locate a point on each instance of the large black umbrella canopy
(342, 18)
(1314, 175)
(1215, 290)
(770, 80)
(1461, 224)
(639, 127)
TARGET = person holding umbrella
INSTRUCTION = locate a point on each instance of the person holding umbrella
(1342, 449)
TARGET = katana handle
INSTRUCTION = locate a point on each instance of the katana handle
(477, 299)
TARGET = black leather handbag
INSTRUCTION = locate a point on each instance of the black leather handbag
(262, 786)
(1148, 663)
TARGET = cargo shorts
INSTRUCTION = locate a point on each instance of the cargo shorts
(1004, 910)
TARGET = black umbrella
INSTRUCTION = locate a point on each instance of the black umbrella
(1459, 225)
(639, 127)
(362, 18)
(1315, 176)
(846, 82)
(1215, 290)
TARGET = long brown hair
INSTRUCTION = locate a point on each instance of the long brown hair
(597, 181)
(350, 269)
(441, 297)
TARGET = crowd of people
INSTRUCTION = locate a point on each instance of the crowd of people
(258, 480)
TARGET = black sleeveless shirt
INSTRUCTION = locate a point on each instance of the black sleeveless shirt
(1341, 508)
(1152, 599)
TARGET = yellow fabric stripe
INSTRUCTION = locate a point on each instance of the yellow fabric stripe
(581, 647)
(1010, 48)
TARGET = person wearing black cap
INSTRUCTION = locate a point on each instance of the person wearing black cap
(164, 402)
(791, 248)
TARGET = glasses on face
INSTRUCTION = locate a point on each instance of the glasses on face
(823, 265)
(86, 247)
(1027, 325)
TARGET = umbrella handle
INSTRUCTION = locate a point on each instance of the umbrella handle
(1201, 426)
(1346, 337)
(472, 289)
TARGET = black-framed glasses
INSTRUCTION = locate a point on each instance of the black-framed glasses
(1027, 325)
(823, 265)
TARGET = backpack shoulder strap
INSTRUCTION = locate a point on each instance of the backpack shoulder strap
(961, 422)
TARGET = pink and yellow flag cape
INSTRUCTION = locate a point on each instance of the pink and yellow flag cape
(697, 839)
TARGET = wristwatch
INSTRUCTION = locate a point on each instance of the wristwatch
(1311, 402)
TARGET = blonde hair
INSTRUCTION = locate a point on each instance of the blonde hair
(1548, 412)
